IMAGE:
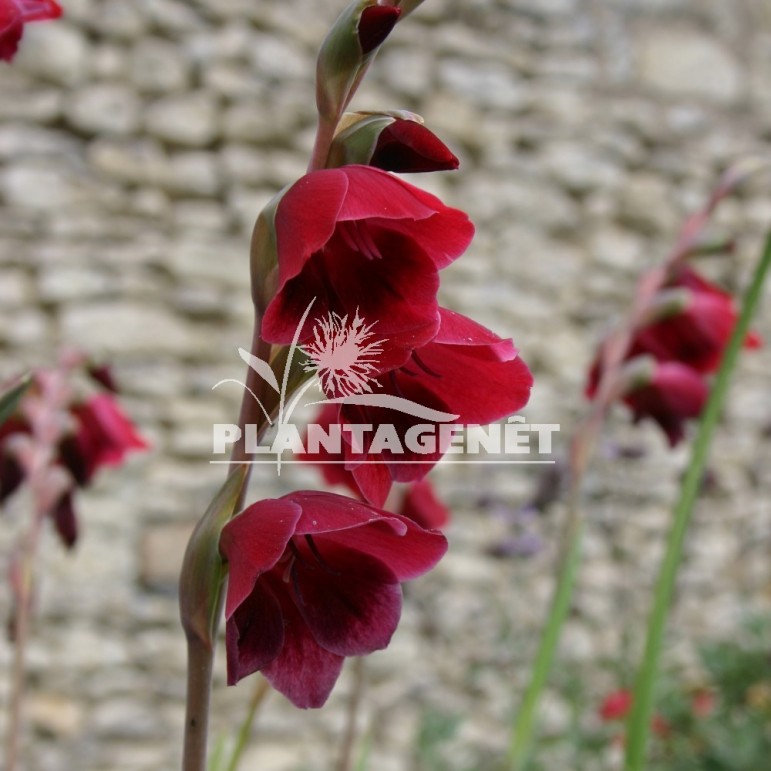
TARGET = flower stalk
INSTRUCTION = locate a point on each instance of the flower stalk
(642, 705)
(609, 388)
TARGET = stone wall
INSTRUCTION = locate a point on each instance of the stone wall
(139, 140)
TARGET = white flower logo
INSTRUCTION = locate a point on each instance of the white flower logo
(339, 353)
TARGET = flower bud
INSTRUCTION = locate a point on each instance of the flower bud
(395, 141)
(347, 51)
(203, 571)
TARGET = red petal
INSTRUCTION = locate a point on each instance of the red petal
(442, 232)
(253, 542)
(306, 217)
(408, 550)
(422, 505)
(350, 601)
(38, 10)
(254, 634)
(303, 671)
(499, 388)
(11, 30)
(373, 481)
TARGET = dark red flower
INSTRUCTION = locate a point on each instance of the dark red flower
(674, 394)
(103, 437)
(375, 25)
(14, 14)
(407, 146)
(616, 705)
(313, 578)
(699, 334)
(357, 239)
(466, 371)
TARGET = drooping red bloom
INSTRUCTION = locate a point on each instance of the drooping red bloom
(685, 347)
(675, 394)
(406, 146)
(359, 240)
(14, 14)
(697, 336)
(466, 371)
(103, 437)
(314, 577)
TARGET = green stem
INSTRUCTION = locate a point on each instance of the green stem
(200, 660)
(200, 655)
(570, 552)
(244, 732)
(640, 717)
(352, 712)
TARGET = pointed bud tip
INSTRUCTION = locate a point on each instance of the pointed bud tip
(375, 25)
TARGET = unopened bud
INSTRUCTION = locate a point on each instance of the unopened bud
(203, 570)
(390, 141)
(347, 51)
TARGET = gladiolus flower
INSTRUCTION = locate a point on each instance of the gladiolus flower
(699, 334)
(14, 14)
(359, 240)
(314, 577)
(466, 370)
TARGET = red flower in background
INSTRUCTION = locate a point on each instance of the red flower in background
(103, 437)
(313, 578)
(357, 239)
(616, 705)
(14, 14)
(684, 347)
(699, 334)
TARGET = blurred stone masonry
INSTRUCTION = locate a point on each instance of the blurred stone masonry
(139, 140)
